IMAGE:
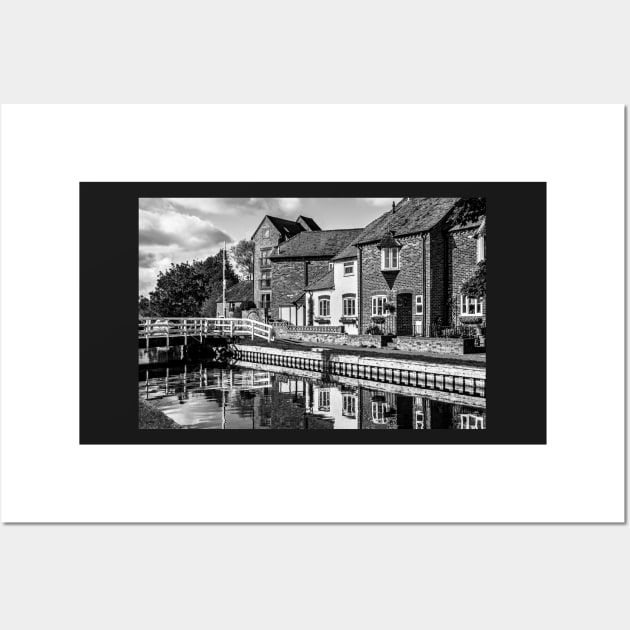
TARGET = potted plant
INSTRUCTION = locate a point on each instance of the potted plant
(378, 319)
(348, 320)
(373, 330)
(476, 321)
(390, 308)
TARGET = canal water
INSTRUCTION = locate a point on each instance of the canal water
(239, 397)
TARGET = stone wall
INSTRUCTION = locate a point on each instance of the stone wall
(434, 344)
(342, 339)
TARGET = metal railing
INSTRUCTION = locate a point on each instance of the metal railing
(200, 327)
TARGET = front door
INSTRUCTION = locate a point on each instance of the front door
(404, 323)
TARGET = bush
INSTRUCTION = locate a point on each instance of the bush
(373, 330)
(378, 319)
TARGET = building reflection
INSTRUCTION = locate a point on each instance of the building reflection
(237, 397)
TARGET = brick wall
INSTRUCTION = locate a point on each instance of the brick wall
(259, 244)
(289, 277)
(408, 280)
(462, 265)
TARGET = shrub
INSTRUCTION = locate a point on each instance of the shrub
(373, 330)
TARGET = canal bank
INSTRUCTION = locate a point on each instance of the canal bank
(455, 381)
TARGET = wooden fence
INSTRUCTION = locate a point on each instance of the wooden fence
(198, 328)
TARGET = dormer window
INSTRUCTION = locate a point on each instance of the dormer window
(390, 259)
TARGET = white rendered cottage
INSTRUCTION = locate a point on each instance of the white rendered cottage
(332, 300)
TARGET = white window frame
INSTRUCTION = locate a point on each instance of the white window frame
(320, 302)
(466, 419)
(345, 268)
(345, 306)
(266, 232)
(419, 419)
(378, 304)
(466, 302)
(379, 409)
(481, 248)
(387, 258)
(419, 303)
(349, 405)
(323, 400)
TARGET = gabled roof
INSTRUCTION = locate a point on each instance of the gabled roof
(349, 251)
(411, 215)
(239, 292)
(286, 227)
(327, 281)
(324, 243)
(310, 222)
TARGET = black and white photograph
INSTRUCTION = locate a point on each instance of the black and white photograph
(312, 313)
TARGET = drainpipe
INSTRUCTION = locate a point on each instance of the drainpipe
(424, 287)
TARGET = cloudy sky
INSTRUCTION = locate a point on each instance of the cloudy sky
(176, 230)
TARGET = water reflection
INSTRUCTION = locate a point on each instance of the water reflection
(237, 397)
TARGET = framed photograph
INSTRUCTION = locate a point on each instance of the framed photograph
(306, 313)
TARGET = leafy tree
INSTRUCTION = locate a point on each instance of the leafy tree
(145, 309)
(185, 288)
(243, 255)
(467, 210)
(475, 287)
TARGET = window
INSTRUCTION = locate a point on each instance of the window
(265, 233)
(330, 266)
(324, 307)
(471, 306)
(378, 412)
(349, 307)
(418, 305)
(265, 280)
(264, 257)
(378, 304)
(481, 248)
(349, 405)
(389, 258)
(265, 299)
(348, 269)
(471, 421)
(419, 419)
(324, 400)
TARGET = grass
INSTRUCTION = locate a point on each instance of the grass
(151, 418)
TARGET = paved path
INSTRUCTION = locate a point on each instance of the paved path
(476, 360)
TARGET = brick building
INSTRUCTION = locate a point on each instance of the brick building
(411, 265)
(300, 261)
(270, 233)
(236, 296)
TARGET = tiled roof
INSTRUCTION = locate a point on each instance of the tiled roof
(412, 215)
(239, 292)
(310, 222)
(347, 252)
(325, 243)
(327, 281)
(285, 227)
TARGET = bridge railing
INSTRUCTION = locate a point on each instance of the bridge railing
(200, 327)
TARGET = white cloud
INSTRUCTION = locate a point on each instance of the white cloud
(379, 202)
(288, 204)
